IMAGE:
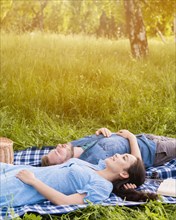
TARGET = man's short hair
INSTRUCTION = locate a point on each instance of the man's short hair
(45, 161)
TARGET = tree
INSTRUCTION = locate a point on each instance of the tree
(5, 9)
(102, 18)
(158, 16)
(39, 17)
(136, 28)
(103, 26)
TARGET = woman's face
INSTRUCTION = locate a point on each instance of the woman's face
(120, 162)
(60, 154)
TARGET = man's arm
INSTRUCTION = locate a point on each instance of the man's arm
(135, 151)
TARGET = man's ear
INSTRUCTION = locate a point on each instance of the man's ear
(124, 175)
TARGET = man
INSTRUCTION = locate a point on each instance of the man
(155, 150)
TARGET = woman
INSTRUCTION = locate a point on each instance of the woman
(74, 182)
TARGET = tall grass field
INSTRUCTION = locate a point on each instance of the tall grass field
(56, 88)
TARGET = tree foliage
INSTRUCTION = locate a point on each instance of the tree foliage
(5, 8)
(101, 18)
(159, 15)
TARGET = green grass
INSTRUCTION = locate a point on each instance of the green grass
(55, 89)
(150, 211)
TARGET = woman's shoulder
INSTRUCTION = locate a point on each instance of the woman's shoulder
(80, 162)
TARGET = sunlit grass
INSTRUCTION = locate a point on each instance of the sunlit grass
(56, 88)
(84, 82)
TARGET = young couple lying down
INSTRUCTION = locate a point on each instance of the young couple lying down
(88, 169)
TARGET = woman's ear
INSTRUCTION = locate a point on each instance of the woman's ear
(124, 175)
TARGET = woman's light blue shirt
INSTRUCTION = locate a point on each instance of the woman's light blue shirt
(74, 176)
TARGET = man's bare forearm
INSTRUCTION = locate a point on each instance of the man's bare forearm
(135, 151)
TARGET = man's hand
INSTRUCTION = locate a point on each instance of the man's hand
(125, 133)
(104, 131)
(26, 176)
(135, 151)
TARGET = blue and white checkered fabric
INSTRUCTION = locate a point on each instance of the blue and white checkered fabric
(32, 156)
(163, 172)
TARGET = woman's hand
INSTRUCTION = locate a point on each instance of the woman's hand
(104, 131)
(26, 176)
(125, 133)
(129, 186)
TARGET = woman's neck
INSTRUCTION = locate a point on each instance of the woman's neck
(107, 175)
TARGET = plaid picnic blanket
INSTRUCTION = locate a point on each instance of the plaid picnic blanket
(32, 156)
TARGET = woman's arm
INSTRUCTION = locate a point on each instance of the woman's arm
(135, 151)
(49, 193)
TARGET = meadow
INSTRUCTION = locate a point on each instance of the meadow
(57, 88)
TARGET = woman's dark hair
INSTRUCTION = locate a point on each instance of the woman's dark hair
(136, 176)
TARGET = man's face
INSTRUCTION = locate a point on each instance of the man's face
(60, 154)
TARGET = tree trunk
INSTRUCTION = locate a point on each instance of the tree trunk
(136, 28)
(160, 35)
(43, 4)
